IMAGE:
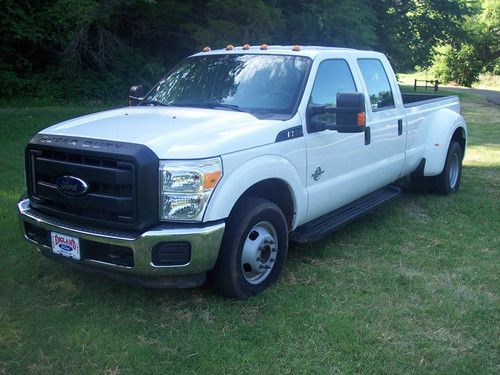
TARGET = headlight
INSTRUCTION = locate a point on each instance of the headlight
(186, 187)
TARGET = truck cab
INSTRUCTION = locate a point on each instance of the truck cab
(230, 156)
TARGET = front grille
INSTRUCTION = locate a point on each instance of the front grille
(111, 194)
(121, 184)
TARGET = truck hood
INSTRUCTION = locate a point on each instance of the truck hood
(176, 132)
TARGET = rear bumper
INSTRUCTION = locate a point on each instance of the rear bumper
(204, 242)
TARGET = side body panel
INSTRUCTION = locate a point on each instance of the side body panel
(285, 161)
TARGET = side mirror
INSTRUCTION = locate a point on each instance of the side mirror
(136, 94)
(347, 117)
(351, 115)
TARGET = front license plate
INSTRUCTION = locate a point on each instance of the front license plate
(64, 245)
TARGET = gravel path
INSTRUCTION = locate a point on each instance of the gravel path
(490, 95)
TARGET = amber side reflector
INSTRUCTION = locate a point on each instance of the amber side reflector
(361, 119)
(206, 49)
(296, 48)
(246, 46)
(263, 47)
(229, 47)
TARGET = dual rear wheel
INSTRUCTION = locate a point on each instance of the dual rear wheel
(448, 181)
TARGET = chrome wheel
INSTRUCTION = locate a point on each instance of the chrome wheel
(454, 170)
(259, 252)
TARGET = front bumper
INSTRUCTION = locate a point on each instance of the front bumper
(204, 244)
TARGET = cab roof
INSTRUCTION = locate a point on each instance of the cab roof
(309, 51)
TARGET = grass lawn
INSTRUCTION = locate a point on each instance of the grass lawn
(411, 288)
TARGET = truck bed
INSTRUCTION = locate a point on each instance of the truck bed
(410, 100)
(423, 104)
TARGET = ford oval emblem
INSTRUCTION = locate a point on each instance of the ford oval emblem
(65, 247)
(71, 185)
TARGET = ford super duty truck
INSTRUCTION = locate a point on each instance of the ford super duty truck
(230, 156)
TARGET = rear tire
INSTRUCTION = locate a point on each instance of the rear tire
(253, 250)
(448, 181)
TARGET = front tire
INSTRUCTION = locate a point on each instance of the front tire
(253, 250)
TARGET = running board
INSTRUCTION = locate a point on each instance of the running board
(326, 224)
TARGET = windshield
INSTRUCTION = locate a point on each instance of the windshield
(251, 83)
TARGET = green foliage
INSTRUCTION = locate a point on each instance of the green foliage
(408, 30)
(345, 23)
(459, 65)
(479, 50)
(59, 47)
(484, 31)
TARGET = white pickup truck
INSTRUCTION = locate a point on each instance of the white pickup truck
(230, 156)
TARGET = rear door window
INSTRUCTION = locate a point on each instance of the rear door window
(377, 84)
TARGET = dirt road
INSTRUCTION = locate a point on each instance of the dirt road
(490, 95)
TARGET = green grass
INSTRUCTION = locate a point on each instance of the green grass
(411, 288)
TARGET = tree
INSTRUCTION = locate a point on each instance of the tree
(409, 29)
(464, 59)
(485, 34)
(341, 23)
(98, 47)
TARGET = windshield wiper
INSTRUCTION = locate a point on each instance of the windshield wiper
(210, 105)
(234, 107)
(154, 102)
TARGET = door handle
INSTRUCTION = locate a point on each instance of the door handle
(400, 127)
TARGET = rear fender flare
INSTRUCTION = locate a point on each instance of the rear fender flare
(441, 127)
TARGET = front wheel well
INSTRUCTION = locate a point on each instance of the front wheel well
(276, 191)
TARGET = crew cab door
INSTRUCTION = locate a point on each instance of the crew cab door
(342, 167)
(337, 163)
(385, 120)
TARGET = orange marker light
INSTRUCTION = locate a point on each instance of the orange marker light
(229, 47)
(246, 46)
(206, 49)
(296, 48)
(263, 47)
(361, 119)
(211, 179)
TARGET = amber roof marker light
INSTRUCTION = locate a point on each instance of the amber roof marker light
(263, 46)
(229, 47)
(246, 46)
(206, 49)
(296, 48)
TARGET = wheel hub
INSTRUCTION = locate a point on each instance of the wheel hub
(454, 168)
(259, 252)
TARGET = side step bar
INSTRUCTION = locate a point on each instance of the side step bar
(326, 224)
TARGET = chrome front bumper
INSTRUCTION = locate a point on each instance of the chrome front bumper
(205, 242)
